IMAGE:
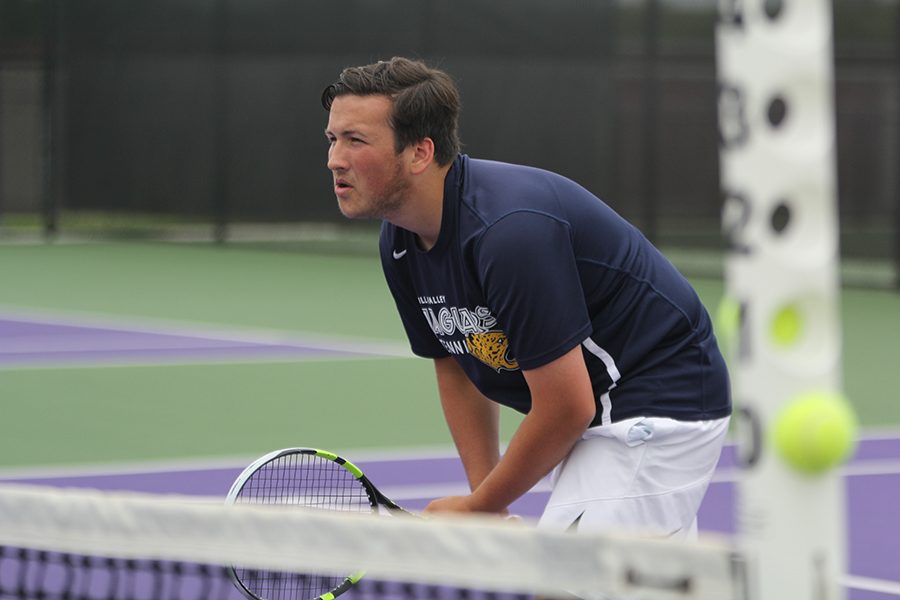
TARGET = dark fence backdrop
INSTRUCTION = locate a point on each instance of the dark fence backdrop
(208, 110)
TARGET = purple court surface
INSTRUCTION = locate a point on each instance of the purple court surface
(36, 342)
(872, 478)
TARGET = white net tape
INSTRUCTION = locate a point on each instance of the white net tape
(486, 553)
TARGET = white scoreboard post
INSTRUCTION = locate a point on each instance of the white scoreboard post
(780, 219)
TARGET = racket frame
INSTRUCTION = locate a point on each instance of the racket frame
(376, 499)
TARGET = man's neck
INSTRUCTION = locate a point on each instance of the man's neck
(424, 208)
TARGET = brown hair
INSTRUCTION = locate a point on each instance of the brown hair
(425, 101)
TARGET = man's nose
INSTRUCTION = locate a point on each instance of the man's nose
(336, 160)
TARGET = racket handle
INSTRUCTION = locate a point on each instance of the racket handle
(345, 585)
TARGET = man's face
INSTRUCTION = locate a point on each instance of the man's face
(369, 176)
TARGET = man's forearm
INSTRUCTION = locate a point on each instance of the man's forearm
(542, 441)
(562, 408)
(473, 421)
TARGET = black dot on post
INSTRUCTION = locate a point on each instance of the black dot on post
(781, 217)
(773, 8)
(777, 111)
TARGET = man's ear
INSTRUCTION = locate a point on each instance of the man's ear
(422, 155)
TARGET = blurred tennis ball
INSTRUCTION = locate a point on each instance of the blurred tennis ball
(786, 326)
(816, 431)
(728, 321)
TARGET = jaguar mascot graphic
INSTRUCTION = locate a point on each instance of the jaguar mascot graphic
(492, 348)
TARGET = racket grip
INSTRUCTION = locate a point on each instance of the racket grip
(345, 585)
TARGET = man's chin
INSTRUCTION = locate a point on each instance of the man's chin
(351, 211)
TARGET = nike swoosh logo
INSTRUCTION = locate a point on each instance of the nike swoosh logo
(399, 255)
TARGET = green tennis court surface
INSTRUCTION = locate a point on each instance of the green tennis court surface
(83, 411)
(114, 355)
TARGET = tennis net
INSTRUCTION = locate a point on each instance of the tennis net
(86, 544)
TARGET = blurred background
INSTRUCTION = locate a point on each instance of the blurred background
(200, 119)
(178, 290)
(163, 186)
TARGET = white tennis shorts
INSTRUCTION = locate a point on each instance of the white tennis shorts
(644, 476)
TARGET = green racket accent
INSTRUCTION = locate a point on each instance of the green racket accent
(357, 472)
(317, 486)
(326, 454)
(348, 583)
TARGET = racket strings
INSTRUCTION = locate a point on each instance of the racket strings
(309, 481)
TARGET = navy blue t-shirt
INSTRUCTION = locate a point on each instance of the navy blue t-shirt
(527, 266)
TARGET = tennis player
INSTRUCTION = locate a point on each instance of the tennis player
(528, 291)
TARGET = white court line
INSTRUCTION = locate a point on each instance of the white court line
(179, 465)
(874, 434)
(139, 363)
(875, 466)
(887, 466)
(211, 331)
(870, 584)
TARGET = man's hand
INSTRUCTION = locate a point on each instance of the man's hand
(458, 504)
(450, 504)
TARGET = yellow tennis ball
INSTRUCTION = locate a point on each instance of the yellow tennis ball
(728, 321)
(786, 326)
(815, 432)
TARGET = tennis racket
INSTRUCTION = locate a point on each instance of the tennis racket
(313, 479)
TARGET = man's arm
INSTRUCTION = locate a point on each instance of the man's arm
(562, 408)
(473, 420)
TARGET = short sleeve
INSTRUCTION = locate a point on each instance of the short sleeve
(528, 271)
